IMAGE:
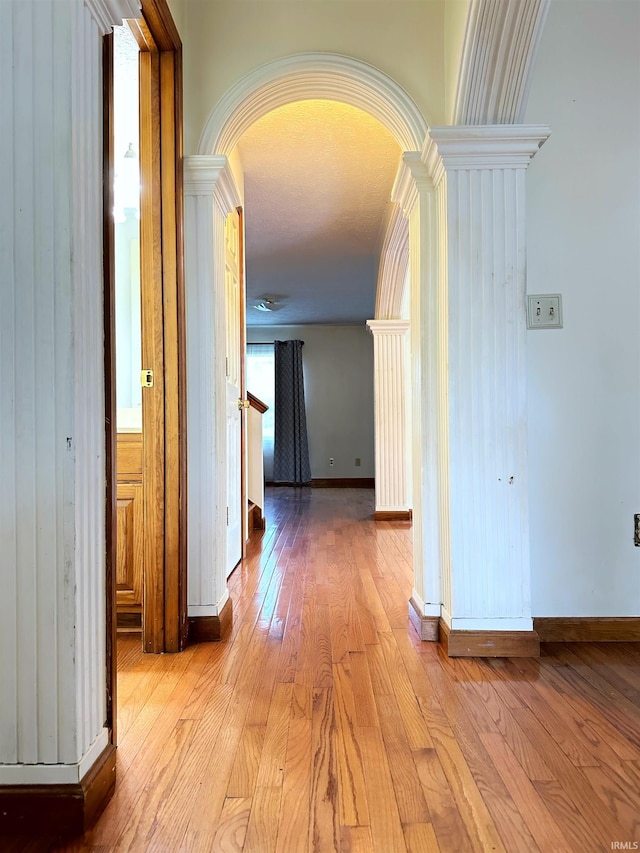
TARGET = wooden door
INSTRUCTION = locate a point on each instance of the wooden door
(233, 280)
(146, 531)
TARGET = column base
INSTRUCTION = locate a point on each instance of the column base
(426, 626)
(58, 811)
(489, 644)
(208, 629)
(393, 515)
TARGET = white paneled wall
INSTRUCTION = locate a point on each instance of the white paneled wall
(52, 437)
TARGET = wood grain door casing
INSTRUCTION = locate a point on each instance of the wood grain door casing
(163, 484)
(233, 389)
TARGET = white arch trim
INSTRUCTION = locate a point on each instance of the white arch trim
(313, 75)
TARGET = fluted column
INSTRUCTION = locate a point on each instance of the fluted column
(210, 194)
(480, 175)
(413, 191)
(391, 495)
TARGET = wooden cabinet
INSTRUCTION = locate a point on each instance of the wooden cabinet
(130, 550)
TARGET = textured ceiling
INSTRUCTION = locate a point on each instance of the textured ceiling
(318, 177)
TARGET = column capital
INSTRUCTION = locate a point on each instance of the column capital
(211, 175)
(412, 178)
(388, 327)
(111, 13)
(500, 146)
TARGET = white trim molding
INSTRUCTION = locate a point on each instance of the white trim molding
(394, 263)
(210, 609)
(482, 147)
(54, 774)
(111, 13)
(500, 45)
(312, 75)
(211, 175)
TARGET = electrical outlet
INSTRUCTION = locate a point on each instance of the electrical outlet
(636, 530)
(331, 460)
(357, 461)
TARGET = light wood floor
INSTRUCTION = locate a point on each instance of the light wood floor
(323, 724)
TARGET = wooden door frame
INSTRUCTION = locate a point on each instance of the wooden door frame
(243, 384)
(162, 240)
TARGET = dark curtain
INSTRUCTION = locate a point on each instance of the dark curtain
(291, 448)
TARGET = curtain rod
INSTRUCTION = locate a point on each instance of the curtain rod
(267, 343)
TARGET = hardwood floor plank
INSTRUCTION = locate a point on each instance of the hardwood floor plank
(323, 813)
(324, 645)
(385, 824)
(447, 822)
(541, 824)
(143, 822)
(592, 720)
(247, 760)
(603, 826)
(412, 806)
(232, 828)
(410, 711)
(621, 800)
(378, 672)
(293, 828)
(262, 829)
(365, 703)
(354, 809)
(355, 839)
(420, 838)
(271, 769)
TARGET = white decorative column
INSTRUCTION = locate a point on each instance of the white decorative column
(52, 428)
(210, 195)
(413, 190)
(390, 409)
(480, 176)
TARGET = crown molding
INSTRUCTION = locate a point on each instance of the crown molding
(312, 75)
(412, 178)
(500, 45)
(394, 260)
(211, 175)
(387, 327)
(482, 147)
(111, 13)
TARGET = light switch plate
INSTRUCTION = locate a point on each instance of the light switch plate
(544, 311)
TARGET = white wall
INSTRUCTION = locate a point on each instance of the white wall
(226, 39)
(456, 13)
(338, 379)
(583, 242)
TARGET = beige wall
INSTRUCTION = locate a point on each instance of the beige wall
(455, 21)
(225, 39)
(178, 12)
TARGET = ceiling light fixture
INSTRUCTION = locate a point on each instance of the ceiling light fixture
(266, 305)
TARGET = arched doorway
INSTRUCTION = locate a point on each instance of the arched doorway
(211, 193)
